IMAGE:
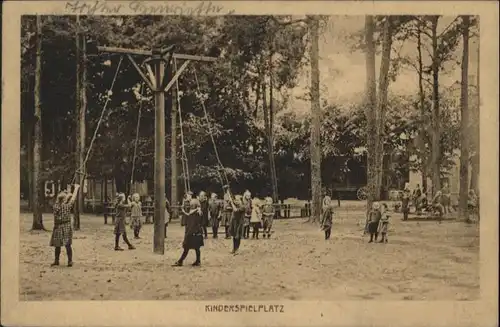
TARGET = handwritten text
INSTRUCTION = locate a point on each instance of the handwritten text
(144, 8)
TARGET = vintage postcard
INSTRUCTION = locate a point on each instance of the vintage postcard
(249, 163)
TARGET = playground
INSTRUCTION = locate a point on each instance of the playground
(424, 260)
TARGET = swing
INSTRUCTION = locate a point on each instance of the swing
(136, 139)
(80, 170)
(221, 171)
(184, 160)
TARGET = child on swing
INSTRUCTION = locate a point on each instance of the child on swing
(193, 236)
(136, 215)
(121, 212)
(62, 234)
(267, 216)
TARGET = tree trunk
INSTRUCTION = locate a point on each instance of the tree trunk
(29, 158)
(371, 100)
(267, 111)
(316, 121)
(37, 142)
(423, 114)
(464, 124)
(271, 134)
(436, 128)
(382, 104)
(474, 182)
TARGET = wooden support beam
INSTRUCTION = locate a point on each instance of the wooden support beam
(150, 53)
(193, 57)
(141, 73)
(176, 76)
(151, 74)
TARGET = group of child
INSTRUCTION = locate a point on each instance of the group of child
(378, 222)
(440, 204)
(236, 213)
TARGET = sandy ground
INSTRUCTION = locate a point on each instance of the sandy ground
(423, 260)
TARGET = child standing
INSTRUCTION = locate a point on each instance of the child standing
(62, 234)
(214, 214)
(437, 205)
(204, 212)
(267, 216)
(136, 215)
(373, 221)
(384, 223)
(227, 211)
(168, 214)
(186, 207)
(121, 212)
(256, 218)
(327, 217)
(405, 204)
(237, 223)
(193, 238)
(247, 203)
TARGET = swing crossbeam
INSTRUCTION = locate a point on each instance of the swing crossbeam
(139, 52)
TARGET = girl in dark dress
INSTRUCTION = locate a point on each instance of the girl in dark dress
(237, 223)
(373, 221)
(204, 212)
(62, 234)
(193, 238)
(227, 211)
(405, 204)
(121, 212)
(214, 210)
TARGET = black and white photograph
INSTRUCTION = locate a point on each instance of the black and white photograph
(200, 153)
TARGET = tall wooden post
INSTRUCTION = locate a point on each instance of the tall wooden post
(174, 172)
(81, 128)
(159, 206)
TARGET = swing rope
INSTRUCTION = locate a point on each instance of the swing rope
(223, 176)
(185, 167)
(79, 170)
(136, 137)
